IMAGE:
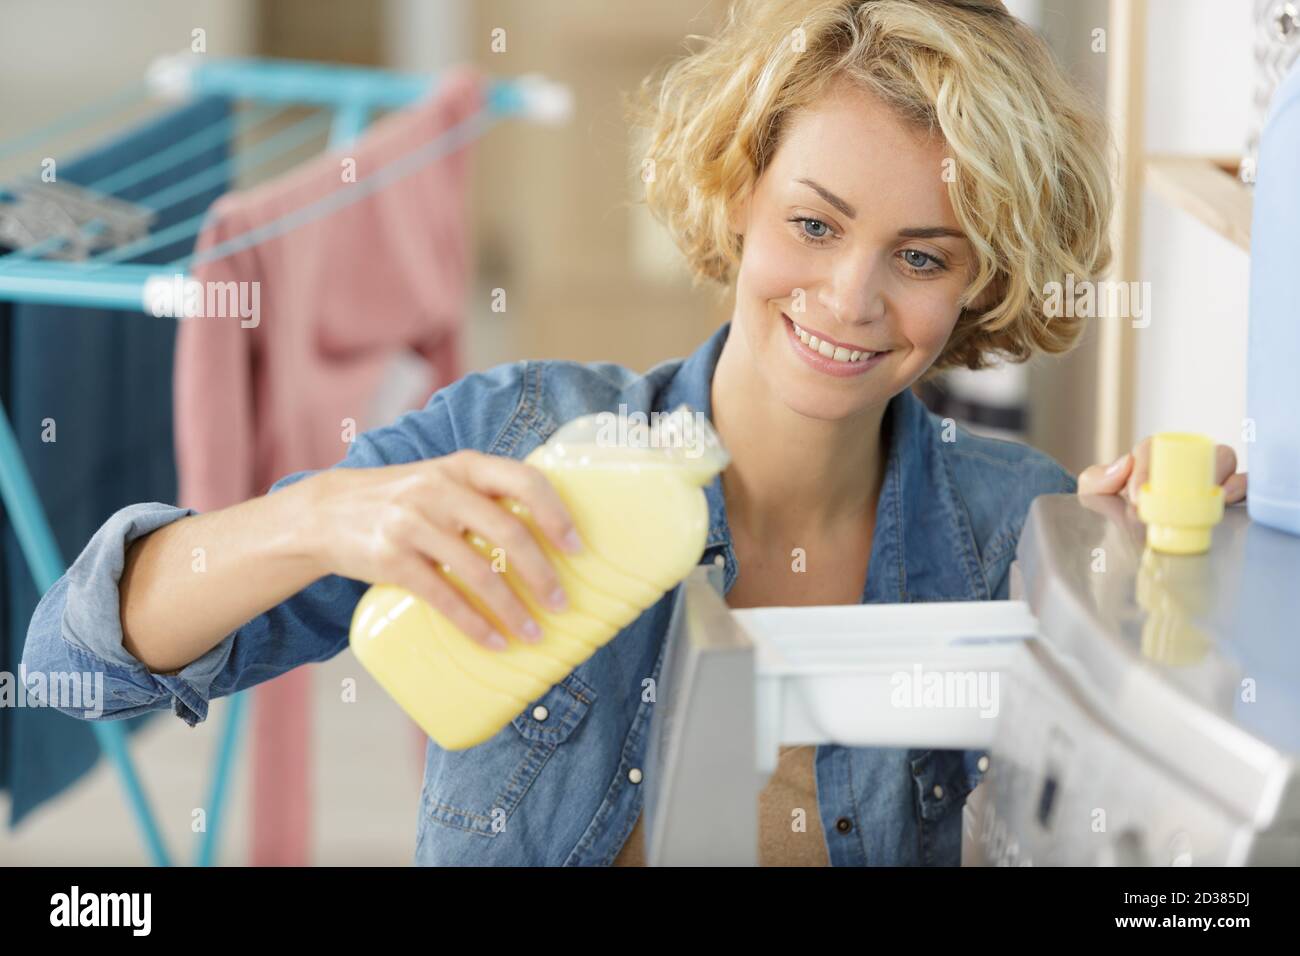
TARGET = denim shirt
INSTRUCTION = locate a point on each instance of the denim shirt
(560, 790)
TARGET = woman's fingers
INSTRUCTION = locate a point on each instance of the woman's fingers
(1141, 470)
(405, 525)
(1131, 471)
(1234, 489)
(420, 578)
(1105, 479)
(505, 477)
(434, 506)
(1226, 474)
(455, 556)
(519, 548)
(1225, 463)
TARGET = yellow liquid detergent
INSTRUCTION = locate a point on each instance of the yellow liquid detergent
(636, 496)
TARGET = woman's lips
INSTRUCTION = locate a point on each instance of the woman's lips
(828, 366)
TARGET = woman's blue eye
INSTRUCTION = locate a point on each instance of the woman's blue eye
(815, 222)
(810, 238)
(918, 264)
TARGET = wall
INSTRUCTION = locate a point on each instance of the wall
(55, 58)
(1191, 360)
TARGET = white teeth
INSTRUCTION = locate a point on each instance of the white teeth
(838, 353)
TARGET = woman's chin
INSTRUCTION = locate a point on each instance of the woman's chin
(808, 403)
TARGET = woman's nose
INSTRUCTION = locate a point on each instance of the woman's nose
(854, 290)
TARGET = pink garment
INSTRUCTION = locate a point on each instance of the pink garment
(338, 298)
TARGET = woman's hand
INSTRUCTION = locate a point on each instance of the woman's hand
(398, 524)
(1126, 475)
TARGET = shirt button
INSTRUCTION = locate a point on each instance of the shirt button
(844, 824)
(540, 712)
(983, 764)
(634, 775)
(938, 792)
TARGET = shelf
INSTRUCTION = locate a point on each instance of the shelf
(1208, 188)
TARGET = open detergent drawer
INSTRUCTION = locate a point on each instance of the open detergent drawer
(884, 675)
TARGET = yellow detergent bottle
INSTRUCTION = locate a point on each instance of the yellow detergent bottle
(635, 492)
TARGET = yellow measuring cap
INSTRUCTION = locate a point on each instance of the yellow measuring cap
(1181, 503)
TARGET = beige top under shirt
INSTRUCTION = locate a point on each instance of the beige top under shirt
(792, 786)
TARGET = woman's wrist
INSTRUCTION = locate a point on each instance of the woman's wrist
(301, 538)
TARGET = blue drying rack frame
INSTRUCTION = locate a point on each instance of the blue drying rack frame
(352, 94)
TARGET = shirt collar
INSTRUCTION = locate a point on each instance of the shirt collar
(923, 547)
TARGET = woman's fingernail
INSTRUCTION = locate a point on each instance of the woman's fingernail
(572, 541)
(1119, 463)
(496, 641)
(559, 600)
(531, 630)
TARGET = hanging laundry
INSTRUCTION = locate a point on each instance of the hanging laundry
(67, 221)
(259, 397)
(99, 383)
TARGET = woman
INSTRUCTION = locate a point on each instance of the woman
(897, 179)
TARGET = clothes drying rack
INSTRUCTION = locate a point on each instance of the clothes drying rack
(345, 98)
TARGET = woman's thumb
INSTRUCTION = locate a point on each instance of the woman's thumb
(1106, 480)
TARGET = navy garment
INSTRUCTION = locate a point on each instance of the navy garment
(105, 378)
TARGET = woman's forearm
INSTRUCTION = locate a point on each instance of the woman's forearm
(189, 584)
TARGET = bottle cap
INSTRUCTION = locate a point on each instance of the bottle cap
(1181, 503)
(683, 439)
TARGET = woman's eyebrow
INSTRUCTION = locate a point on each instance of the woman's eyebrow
(931, 232)
(919, 232)
(830, 197)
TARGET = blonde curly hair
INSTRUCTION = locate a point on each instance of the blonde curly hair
(1031, 190)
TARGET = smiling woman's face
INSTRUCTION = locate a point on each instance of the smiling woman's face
(844, 238)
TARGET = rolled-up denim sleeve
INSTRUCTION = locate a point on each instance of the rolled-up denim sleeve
(75, 636)
(76, 631)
